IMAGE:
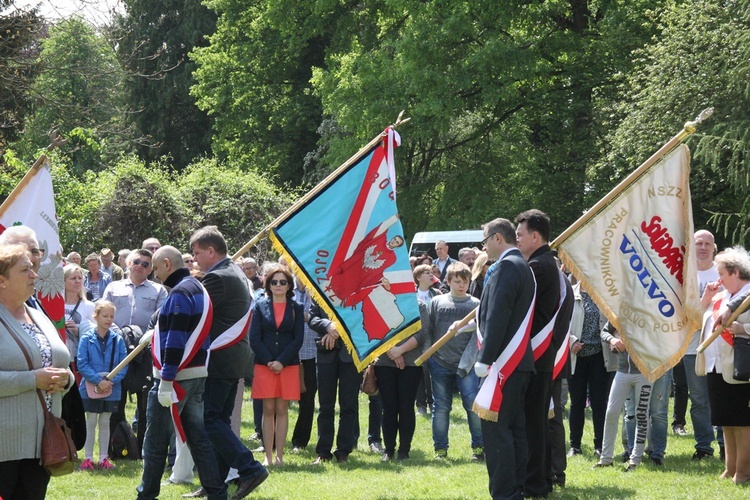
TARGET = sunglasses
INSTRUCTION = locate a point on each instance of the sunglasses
(142, 263)
(279, 282)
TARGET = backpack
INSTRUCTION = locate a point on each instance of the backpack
(139, 373)
(122, 442)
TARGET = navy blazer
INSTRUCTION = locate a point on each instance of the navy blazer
(506, 298)
(280, 344)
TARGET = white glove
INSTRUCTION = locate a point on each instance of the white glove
(165, 393)
(146, 337)
(481, 369)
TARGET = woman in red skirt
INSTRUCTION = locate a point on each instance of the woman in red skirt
(276, 335)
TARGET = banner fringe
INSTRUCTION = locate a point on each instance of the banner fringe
(484, 413)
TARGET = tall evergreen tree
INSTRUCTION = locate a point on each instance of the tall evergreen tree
(18, 32)
(153, 39)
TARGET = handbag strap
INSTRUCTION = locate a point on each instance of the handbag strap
(75, 308)
(28, 359)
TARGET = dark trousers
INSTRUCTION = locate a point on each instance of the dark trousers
(374, 420)
(557, 456)
(23, 480)
(398, 391)
(332, 378)
(505, 442)
(590, 378)
(228, 449)
(303, 427)
(537, 434)
(424, 389)
(679, 379)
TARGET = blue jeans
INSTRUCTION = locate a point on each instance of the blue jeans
(228, 449)
(659, 415)
(699, 410)
(442, 401)
(156, 442)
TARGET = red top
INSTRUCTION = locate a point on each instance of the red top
(278, 312)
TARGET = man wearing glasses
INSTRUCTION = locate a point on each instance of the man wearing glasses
(136, 297)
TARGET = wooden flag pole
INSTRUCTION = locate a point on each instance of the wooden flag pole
(55, 140)
(689, 128)
(445, 338)
(318, 188)
(122, 364)
(717, 331)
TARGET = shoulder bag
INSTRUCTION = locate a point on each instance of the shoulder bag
(58, 449)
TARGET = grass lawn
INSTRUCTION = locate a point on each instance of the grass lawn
(365, 477)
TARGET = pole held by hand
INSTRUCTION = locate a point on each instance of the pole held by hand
(717, 331)
(452, 332)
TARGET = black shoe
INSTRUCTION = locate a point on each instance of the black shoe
(573, 452)
(700, 454)
(387, 457)
(342, 459)
(625, 456)
(321, 459)
(199, 493)
(597, 453)
(656, 461)
(402, 455)
(248, 485)
(558, 481)
(602, 464)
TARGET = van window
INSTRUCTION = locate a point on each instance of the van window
(425, 241)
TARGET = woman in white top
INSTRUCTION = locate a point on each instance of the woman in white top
(78, 310)
(729, 399)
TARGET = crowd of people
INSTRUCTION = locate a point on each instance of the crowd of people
(219, 326)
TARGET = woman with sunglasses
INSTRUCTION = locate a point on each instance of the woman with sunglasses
(276, 335)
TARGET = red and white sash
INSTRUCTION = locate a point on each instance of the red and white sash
(234, 333)
(561, 357)
(541, 341)
(192, 347)
(490, 397)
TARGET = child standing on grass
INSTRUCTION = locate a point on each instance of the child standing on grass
(99, 350)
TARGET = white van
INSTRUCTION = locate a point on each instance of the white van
(456, 240)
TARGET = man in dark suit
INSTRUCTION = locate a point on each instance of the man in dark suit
(336, 372)
(506, 301)
(230, 354)
(532, 235)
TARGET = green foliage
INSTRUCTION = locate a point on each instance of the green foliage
(240, 203)
(699, 61)
(154, 38)
(254, 81)
(122, 206)
(78, 91)
(18, 30)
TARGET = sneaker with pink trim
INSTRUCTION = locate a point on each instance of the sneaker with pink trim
(106, 464)
(86, 465)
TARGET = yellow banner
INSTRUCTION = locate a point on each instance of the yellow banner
(635, 260)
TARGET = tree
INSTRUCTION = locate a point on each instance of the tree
(18, 31)
(254, 80)
(79, 91)
(503, 99)
(153, 40)
(700, 60)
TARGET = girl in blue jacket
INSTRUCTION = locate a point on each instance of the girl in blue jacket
(99, 350)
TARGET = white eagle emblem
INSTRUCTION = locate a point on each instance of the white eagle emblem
(50, 280)
(371, 260)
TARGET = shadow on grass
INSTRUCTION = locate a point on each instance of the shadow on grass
(599, 492)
